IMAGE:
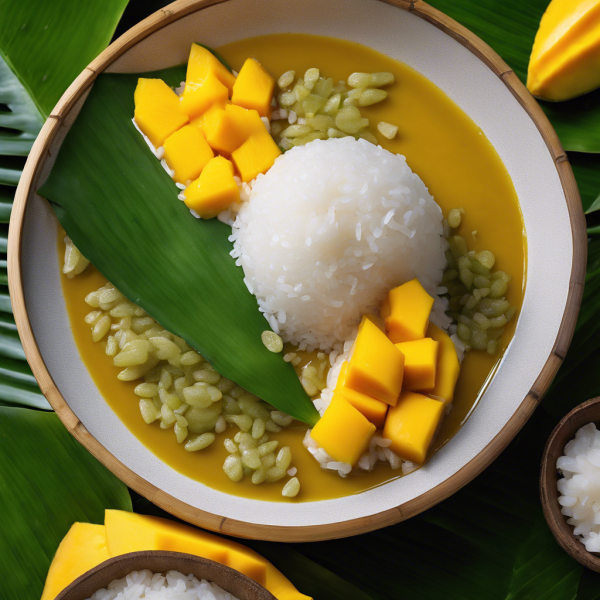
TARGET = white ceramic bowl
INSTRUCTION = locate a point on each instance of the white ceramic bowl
(485, 88)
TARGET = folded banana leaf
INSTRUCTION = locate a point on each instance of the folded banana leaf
(120, 208)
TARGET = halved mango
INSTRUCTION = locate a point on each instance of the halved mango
(343, 432)
(202, 62)
(214, 190)
(376, 367)
(448, 365)
(157, 110)
(253, 88)
(83, 548)
(255, 156)
(409, 306)
(187, 152)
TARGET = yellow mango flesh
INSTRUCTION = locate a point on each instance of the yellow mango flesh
(565, 59)
(246, 122)
(409, 306)
(220, 131)
(448, 365)
(83, 548)
(256, 155)
(214, 190)
(420, 364)
(376, 368)
(202, 62)
(187, 152)
(412, 424)
(343, 432)
(253, 88)
(199, 97)
(374, 410)
(158, 112)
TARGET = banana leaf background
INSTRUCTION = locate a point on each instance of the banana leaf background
(488, 541)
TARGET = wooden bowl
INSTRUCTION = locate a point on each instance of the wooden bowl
(588, 412)
(230, 580)
(488, 91)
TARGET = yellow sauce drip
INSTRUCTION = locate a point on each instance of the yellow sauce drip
(461, 169)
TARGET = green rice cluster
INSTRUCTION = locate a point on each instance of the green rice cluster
(476, 293)
(326, 110)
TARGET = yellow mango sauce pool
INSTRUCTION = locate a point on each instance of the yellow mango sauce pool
(461, 169)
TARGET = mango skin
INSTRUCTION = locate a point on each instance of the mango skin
(565, 59)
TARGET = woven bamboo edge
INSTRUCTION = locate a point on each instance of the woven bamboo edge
(226, 525)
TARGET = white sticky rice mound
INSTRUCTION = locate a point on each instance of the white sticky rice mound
(580, 486)
(145, 585)
(328, 231)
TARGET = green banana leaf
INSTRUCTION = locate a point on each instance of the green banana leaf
(47, 482)
(510, 28)
(120, 208)
(47, 44)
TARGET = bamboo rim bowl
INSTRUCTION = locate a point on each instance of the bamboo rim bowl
(485, 88)
(158, 561)
(588, 412)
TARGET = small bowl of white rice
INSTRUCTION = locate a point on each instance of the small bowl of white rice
(159, 575)
(570, 483)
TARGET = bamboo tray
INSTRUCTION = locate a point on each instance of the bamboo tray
(488, 91)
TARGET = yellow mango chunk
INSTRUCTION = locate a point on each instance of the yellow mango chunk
(130, 532)
(448, 365)
(410, 306)
(83, 548)
(412, 424)
(187, 152)
(246, 122)
(158, 112)
(376, 321)
(376, 367)
(256, 155)
(343, 432)
(565, 59)
(199, 97)
(214, 190)
(253, 88)
(374, 410)
(420, 364)
(202, 62)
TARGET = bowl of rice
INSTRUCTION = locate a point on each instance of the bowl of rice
(160, 575)
(570, 483)
(484, 88)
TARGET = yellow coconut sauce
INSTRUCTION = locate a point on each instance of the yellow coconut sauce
(461, 169)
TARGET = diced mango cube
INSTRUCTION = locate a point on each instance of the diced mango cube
(376, 321)
(187, 152)
(214, 190)
(256, 155)
(199, 97)
(376, 367)
(246, 122)
(343, 432)
(412, 424)
(420, 362)
(448, 365)
(157, 113)
(202, 62)
(410, 306)
(374, 410)
(253, 88)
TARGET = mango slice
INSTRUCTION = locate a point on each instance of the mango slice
(374, 410)
(565, 59)
(343, 432)
(253, 88)
(187, 152)
(448, 365)
(199, 97)
(412, 424)
(246, 122)
(130, 532)
(420, 363)
(157, 110)
(376, 367)
(83, 548)
(256, 155)
(202, 62)
(214, 190)
(410, 306)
